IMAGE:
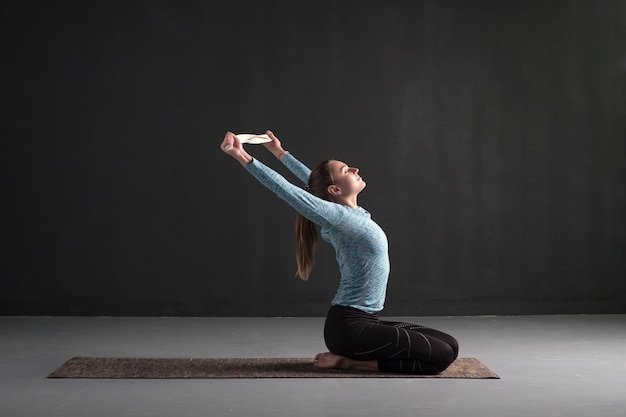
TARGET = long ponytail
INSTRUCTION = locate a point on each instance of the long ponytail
(307, 235)
(306, 242)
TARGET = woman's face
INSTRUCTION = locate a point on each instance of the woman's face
(346, 178)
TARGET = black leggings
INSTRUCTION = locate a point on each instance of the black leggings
(398, 347)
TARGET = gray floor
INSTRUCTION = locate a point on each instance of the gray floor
(549, 365)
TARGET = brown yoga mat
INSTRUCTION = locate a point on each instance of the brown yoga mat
(179, 368)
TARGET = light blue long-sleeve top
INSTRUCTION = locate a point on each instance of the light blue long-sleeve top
(361, 246)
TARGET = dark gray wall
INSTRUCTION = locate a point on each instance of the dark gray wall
(490, 133)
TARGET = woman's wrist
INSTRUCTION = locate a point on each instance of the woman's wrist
(280, 155)
(244, 158)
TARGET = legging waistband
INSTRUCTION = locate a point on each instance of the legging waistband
(339, 312)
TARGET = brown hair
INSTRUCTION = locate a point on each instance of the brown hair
(307, 235)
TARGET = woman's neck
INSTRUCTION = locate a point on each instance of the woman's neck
(349, 201)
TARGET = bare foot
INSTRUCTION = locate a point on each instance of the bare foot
(330, 360)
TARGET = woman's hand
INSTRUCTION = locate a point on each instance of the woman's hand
(274, 146)
(232, 146)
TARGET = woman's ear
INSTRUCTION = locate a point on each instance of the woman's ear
(333, 190)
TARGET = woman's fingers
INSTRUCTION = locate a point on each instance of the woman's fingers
(273, 146)
(229, 142)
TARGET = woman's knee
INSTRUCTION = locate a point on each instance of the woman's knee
(454, 344)
(451, 350)
(447, 353)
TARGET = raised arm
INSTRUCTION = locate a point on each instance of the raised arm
(319, 211)
(275, 147)
(296, 167)
(233, 147)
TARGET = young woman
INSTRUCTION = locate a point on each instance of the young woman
(356, 338)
